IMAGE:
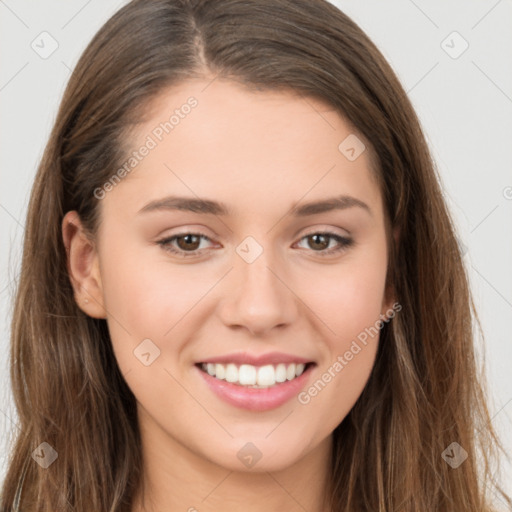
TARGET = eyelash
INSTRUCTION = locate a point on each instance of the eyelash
(343, 241)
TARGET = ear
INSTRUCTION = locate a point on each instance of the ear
(389, 298)
(83, 266)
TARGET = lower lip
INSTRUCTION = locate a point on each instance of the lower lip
(254, 399)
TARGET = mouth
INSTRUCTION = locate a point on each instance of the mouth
(256, 387)
(255, 377)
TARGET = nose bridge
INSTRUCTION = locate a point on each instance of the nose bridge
(258, 277)
(260, 300)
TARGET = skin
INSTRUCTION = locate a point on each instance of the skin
(260, 153)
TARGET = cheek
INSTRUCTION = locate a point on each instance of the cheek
(348, 297)
(141, 293)
(348, 301)
(355, 303)
(147, 298)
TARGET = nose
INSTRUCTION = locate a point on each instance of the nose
(259, 299)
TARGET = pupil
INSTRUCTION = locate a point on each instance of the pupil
(322, 245)
(188, 242)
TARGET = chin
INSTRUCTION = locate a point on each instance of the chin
(258, 454)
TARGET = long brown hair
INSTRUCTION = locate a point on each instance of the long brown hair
(425, 391)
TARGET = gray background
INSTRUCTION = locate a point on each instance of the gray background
(464, 103)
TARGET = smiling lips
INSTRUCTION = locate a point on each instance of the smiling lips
(256, 383)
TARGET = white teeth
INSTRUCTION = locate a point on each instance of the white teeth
(247, 375)
(231, 373)
(253, 376)
(280, 373)
(266, 375)
(220, 371)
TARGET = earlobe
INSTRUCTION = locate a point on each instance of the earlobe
(83, 266)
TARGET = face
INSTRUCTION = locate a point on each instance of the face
(216, 273)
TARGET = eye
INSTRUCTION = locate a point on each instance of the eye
(321, 240)
(189, 243)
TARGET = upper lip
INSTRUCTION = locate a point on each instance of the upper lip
(257, 360)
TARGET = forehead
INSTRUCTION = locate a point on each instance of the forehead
(246, 148)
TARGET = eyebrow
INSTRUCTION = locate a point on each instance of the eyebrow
(207, 206)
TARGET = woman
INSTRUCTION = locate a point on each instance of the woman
(312, 349)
